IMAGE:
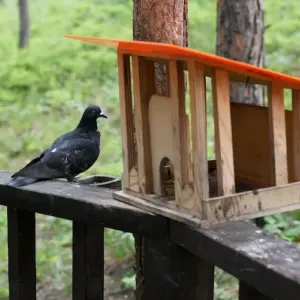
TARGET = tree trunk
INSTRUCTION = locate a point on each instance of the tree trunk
(165, 270)
(162, 22)
(24, 23)
(240, 37)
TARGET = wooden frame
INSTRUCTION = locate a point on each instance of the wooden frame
(257, 148)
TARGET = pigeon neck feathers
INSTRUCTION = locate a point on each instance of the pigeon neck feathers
(87, 124)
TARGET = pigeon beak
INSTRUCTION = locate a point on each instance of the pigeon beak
(102, 115)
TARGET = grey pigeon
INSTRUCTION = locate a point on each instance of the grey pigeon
(70, 154)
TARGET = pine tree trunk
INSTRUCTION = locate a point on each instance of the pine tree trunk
(162, 22)
(241, 37)
(24, 23)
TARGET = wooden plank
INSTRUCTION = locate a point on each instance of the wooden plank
(143, 86)
(199, 131)
(251, 155)
(159, 206)
(180, 139)
(88, 261)
(252, 204)
(80, 203)
(223, 132)
(278, 148)
(296, 134)
(126, 116)
(247, 292)
(169, 272)
(267, 263)
(21, 254)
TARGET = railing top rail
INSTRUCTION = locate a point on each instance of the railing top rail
(81, 203)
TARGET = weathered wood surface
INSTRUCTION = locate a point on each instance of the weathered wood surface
(88, 262)
(267, 263)
(80, 203)
(21, 254)
(166, 271)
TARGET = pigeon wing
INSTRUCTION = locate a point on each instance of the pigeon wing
(67, 159)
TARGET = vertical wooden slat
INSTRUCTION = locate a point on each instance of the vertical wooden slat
(143, 86)
(170, 272)
(21, 254)
(199, 131)
(180, 138)
(296, 134)
(223, 133)
(247, 292)
(126, 115)
(88, 261)
(278, 148)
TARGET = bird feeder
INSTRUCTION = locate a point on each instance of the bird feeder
(256, 171)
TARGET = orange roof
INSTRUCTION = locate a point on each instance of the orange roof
(170, 51)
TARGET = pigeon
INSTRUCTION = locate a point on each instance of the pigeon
(70, 154)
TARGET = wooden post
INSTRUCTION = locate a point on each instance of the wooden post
(21, 254)
(144, 88)
(278, 148)
(247, 292)
(180, 137)
(296, 134)
(126, 115)
(199, 131)
(223, 133)
(166, 271)
(88, 261)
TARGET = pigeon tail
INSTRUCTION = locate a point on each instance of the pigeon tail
(21, 181)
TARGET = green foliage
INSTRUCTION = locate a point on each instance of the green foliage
(45, 87)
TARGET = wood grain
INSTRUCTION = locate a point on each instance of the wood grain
(21, 254)
(126, 116)
(278, 147)
(179, 124)
(296, 134)
(143, 85)
(223, 132)
(80, 203)
(88, 261)
(199, 131)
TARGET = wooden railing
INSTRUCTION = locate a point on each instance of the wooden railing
(174, 261)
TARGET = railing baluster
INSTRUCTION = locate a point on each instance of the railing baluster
(247, 292)
(170, 272)
(21, 254)
(88, 261)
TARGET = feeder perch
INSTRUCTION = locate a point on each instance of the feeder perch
(166, 171)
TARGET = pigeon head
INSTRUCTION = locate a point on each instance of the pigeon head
(90, 116)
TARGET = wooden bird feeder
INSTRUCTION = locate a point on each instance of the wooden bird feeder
(257, 149)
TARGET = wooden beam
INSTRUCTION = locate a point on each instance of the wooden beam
(223, 132)
(21, 254)
(248, 253)
(80, 203)
(126, 116)
(253, 204)
(199, 131)
(169, 272)
(88, 261)
(247, 292)
(143, 86)
(277, 133)
(180, 139)
(296, 134)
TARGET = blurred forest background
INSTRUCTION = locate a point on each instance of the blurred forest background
(46, 85)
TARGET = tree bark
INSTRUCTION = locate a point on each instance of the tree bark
(161, 22)
(24, 23)
(240, 37)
